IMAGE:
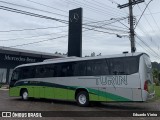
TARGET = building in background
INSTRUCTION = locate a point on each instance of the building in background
(11, 57)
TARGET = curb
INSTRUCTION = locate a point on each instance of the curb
(4, 89)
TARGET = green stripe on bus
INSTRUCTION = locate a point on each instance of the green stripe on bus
(39, 83)
(95, 95)
(108, 96)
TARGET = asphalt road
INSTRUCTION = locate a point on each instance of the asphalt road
(16, 104)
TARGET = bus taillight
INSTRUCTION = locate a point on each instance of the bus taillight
(146, 86)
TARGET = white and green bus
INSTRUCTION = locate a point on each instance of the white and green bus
(123, 77)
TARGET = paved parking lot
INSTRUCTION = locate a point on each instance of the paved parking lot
(16, 104)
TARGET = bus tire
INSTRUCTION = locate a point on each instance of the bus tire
(82, 99)
(24, 94)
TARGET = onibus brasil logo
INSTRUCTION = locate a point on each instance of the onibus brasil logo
(21, 114)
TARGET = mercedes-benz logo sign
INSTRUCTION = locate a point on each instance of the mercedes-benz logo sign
(74, 17)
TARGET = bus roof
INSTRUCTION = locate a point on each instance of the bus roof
(72, 59)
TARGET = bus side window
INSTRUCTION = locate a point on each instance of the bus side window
(27, 72)
(63, 70)
(55, 72)
(70, 69)
(106, 67)
(80, 68)
(40, 72)
(101, 67)
(67, 69)
(131, 65)
(50, 71)
(89, 69)
(97, 67)
(117, 66)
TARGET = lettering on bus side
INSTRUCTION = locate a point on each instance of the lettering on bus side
(112, 80)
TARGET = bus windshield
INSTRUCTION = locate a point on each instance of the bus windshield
(15, 75)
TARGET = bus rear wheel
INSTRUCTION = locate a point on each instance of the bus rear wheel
(82, 99)
(24, 94)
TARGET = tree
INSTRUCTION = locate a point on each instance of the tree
(156, 76)
(99, 54)
(93, 54)
(155, 73)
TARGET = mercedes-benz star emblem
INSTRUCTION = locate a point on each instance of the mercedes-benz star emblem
(74, 17)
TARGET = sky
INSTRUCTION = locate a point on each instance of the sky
(52, 36)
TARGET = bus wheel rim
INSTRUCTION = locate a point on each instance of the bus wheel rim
(25, 95)
(82, 99)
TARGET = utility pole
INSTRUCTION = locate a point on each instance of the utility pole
(132, 34)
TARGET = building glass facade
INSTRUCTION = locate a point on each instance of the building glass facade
(10, 58)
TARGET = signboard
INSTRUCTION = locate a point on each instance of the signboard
(19, 58)
(75, 33)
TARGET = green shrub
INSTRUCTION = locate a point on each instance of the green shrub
(157, 91)
(156, 81)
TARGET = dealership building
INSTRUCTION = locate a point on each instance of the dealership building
(11, 57)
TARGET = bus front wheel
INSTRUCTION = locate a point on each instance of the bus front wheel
(82, 99)
(24, 94)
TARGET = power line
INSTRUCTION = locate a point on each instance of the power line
(32, 8)
(150, 14)
(55, 38)
(31, 14)
(54, 8)
(46, 6)
(147, 50)
(148, 46)
(61, 26)
(99, 31)
(116, 19)
(149, 25)
(35, 8)
(39, 41)
(27, 13)
(32, 29)
(117, 4)
(145, 18)
(143, 13)
(52, 34)
(101, 21)
(94, 27)
(109, 22)
(141, 28)
(113, 2)
(102, 27)
(124, 25)
(93, 8)
(118, 27)
(32, 36)
(51, 7)
(153, 17)
(61, 37)
(101, 5)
